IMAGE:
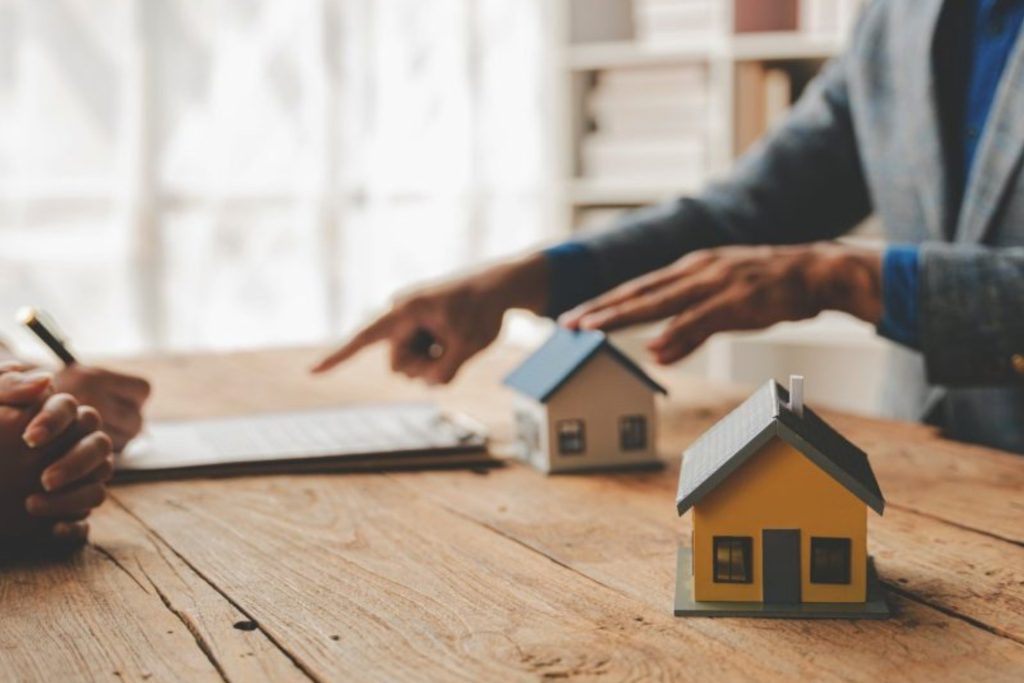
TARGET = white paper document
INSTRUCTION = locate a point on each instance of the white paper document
(364, 436)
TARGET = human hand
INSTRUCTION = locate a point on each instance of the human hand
(119, 398)
(53, 460)
(451, 321)
(738, 288)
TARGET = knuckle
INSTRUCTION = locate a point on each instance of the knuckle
(65, 400)
(703, 256)
(634, 288)
(657, 305)
(89, 416)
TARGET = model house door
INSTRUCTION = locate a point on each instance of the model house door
(781, 565)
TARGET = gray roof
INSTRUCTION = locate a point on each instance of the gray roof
(763, 416)
(565, 352)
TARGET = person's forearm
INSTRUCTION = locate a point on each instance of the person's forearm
(523, 282)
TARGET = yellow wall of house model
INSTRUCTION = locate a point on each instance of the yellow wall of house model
(779, 488)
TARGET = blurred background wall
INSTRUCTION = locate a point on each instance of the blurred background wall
(232, 173)
(220, 174)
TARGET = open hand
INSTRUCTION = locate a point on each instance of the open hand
(738, 288)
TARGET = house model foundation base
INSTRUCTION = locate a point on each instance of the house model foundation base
(875, 607)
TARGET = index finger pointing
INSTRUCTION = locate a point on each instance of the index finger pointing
(376, 331)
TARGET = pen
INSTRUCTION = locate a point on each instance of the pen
(425, 344)
(34, 320)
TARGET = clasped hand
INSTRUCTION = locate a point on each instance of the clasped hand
(55, 459)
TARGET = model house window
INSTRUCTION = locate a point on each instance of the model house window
(732, 559)
(633, 433)
(571, 437)
(830, 560)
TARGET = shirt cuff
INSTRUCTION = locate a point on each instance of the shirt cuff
(575, 277)
(899, 295)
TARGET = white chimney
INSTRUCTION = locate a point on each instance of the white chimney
(796, 395)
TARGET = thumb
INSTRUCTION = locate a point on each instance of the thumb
(25, 388)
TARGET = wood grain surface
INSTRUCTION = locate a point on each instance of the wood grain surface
(496, 575)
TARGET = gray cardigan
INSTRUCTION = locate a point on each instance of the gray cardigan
(865, 138)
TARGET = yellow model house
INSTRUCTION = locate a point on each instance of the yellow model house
(780, 503)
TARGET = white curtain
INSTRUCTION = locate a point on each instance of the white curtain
(232, 173)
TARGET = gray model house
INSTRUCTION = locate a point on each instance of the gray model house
(584, 405)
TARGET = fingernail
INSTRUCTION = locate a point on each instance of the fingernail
(35, 437)
(52, 481)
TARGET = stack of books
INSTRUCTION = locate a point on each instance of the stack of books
(674, 20)
(762, 16)
(649, 125)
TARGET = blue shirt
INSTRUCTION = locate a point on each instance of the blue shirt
(980, 43)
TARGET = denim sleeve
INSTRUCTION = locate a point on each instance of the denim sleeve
(899, 295)
(574, 277)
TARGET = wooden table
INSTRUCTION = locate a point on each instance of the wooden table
(493, 576)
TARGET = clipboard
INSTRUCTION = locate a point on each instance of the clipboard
(356, 438)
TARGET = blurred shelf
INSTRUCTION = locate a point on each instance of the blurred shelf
(593, 56)
(779, 45)
(603, 193)
(783, 45)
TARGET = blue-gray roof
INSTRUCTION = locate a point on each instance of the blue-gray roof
(762, 417)
(564, 353)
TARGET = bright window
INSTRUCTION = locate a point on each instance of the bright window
(198, 174)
